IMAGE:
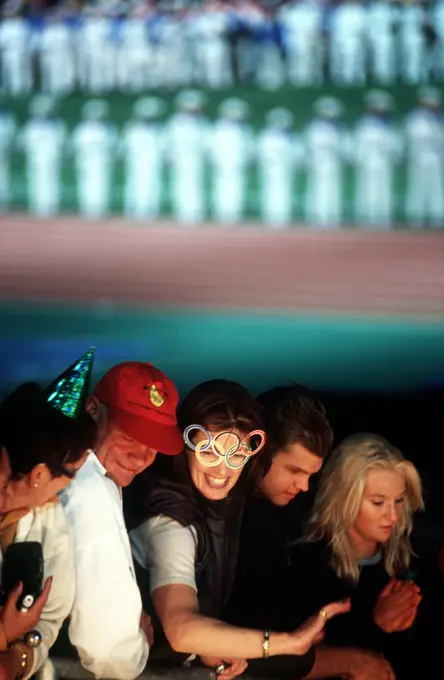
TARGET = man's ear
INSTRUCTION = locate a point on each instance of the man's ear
(93, 408)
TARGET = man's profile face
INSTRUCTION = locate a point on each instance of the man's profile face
(123, 457)
(289, 474)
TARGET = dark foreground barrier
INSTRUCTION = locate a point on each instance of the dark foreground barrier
(70, 669)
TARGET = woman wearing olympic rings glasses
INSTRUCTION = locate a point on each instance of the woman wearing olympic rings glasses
(186, 516)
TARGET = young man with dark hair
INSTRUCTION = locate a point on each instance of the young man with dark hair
(264, 593)
(299, 435)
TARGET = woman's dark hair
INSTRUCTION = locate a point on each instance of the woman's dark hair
(221, 405)
(294, 415)
(34, 432)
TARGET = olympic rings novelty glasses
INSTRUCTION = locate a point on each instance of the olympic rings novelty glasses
(210, 451)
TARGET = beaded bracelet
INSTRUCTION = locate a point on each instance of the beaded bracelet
(23, 654)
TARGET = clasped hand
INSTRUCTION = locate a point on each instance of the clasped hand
(397, 606)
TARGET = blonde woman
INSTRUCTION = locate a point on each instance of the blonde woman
(358, 545)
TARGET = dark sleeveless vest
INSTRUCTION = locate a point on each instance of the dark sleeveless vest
(167, 489)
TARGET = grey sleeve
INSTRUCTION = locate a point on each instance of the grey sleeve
(167, 550)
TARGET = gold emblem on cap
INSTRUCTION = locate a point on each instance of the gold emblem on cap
(155, 396)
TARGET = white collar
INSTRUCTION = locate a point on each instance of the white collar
(92, 457)
(95, 462)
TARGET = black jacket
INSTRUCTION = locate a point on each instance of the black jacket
(167, 489)
(264, 589)
(410, 652)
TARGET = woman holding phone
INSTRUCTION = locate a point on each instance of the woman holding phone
(44, 438)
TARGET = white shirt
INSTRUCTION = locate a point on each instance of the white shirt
(143, 145)
(210, 27)
(93, 143)
(324, 144)
(381, 18)
(14, 35)
(231, 145)
(376, 143)
(94, 34)
(43, 141)
(134, 34)
(424, 136)
(349, 22)
(301, 21)
(56, 40)
(277, 150)
(105, 619)
(187, 138)
(48, 526)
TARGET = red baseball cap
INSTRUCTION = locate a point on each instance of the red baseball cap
(142, 402)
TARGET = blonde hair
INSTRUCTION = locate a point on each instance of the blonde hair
(339, 498)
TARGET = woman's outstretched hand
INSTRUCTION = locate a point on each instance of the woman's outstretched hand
(311, 631)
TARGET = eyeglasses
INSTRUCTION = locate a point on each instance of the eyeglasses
(210, 451)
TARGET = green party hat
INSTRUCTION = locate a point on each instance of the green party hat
(68, 393)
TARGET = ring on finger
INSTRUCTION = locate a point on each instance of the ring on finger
(220, 668)
(323, 613)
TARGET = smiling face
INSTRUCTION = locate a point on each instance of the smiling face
(381, 507)
(123, 457)
(289, 474)
(216, 481)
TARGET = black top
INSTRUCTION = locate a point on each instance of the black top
(264, 584)
(311, 566)
(167, 489)
(264, 580)
(410, 651)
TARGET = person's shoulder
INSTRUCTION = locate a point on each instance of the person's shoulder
(47, 524)
(311, 563)
(309, 552)
(260, 517)
(51, 514)
(167, 526)
(90, 479)
(257, 504)
(44, 520)
(90, 495)
(162, 541)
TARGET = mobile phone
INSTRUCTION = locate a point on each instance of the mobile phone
(23, 562)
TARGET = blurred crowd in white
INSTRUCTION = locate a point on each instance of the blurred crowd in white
(205, 168)
(131, 46)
